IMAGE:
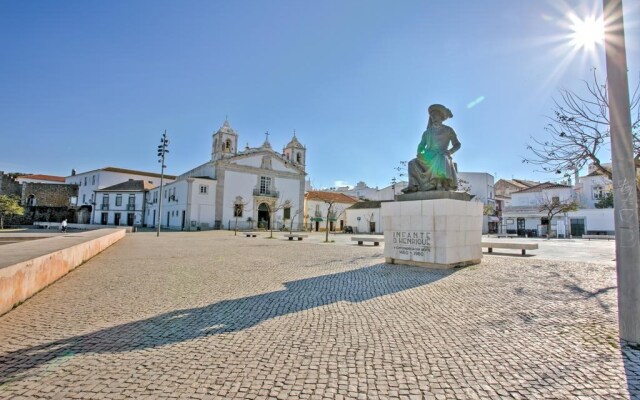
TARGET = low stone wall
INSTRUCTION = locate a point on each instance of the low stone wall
(56, 225)
(26, 268)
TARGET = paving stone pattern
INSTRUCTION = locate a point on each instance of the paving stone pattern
(208, 315)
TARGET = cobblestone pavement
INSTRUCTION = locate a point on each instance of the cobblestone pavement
(210, 315)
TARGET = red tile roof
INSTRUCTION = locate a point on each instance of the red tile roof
(330, 197)
(43, 177)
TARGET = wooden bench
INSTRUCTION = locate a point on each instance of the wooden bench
(295, 235)
(250, 234)
(510, 245)
(608, 237)
(361, 239)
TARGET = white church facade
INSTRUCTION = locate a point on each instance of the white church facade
(253, 187)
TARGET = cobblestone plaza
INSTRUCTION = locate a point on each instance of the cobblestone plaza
(212, 315)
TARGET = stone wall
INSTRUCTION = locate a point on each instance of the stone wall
(8, 185)
(48, 194)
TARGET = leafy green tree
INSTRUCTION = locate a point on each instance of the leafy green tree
(605, 201)
(9, 206)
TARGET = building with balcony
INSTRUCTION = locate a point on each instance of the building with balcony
(251, 187)
(122, 204)
(90, 182)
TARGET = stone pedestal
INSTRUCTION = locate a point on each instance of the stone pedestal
(441, 233)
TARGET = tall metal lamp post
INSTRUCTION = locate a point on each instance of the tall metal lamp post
(624, 174)
(162, 151)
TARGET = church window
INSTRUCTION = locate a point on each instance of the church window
(287, 213)
(118, 199)
(298, 158)
(227, 145)
(203, 189)
(237, 210)
(84, 198)
(85, 181)
(265, 185)
(93, 180)
(105, 201)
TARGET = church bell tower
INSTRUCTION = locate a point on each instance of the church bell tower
(225, 142)
(295, 152)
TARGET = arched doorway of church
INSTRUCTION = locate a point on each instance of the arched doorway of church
(263, 216)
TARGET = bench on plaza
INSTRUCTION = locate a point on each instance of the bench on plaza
(510, 245)
(291, 236)
(608, 237)
(361, 239)
(250, 234)
(506, 235)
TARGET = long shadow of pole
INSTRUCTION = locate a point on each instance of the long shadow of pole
(226, 316)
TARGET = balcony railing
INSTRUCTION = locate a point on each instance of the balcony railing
(131, 206)
(104, 206)
(318, 214)
(267, 193)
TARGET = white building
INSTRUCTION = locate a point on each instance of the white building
(363, 192)
(122, 203)
(364, 216)
(316, 210)
(257, 187)
(481, 186)
(90, 181)
(592, 188)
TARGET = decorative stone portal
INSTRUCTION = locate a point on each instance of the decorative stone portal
(264, 216)
(441, 233)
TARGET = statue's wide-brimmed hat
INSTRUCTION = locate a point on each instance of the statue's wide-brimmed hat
(446, 113)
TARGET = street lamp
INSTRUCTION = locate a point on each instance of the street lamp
(162, 151)
(624, 174)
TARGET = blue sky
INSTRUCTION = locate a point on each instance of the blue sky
(89, 84)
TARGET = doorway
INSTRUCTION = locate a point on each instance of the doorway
(577, 227)
(130, 217)
(183, 219)
(104, 218)
(520, 226)
(264, 220)
(372, 227)
(116, 219)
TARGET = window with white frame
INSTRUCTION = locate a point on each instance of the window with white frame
(118, 199)
(203, 189)
(265, 185)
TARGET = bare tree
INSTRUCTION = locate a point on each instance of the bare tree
(239, 207)
(369, 218)
(334, 211)
(553, 206)
(293, 217)
(579, 129)
(273, 209)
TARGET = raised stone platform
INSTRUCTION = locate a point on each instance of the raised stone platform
(434, 195)
(29, 266)
(442, 233)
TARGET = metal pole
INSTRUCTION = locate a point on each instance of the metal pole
(624, 174)
(162, 150)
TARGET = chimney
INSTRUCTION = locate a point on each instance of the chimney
(73, 172)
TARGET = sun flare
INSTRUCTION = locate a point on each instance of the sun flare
(587, 32)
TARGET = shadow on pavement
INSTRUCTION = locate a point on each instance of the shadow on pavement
(631, 358)
(226, 316)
